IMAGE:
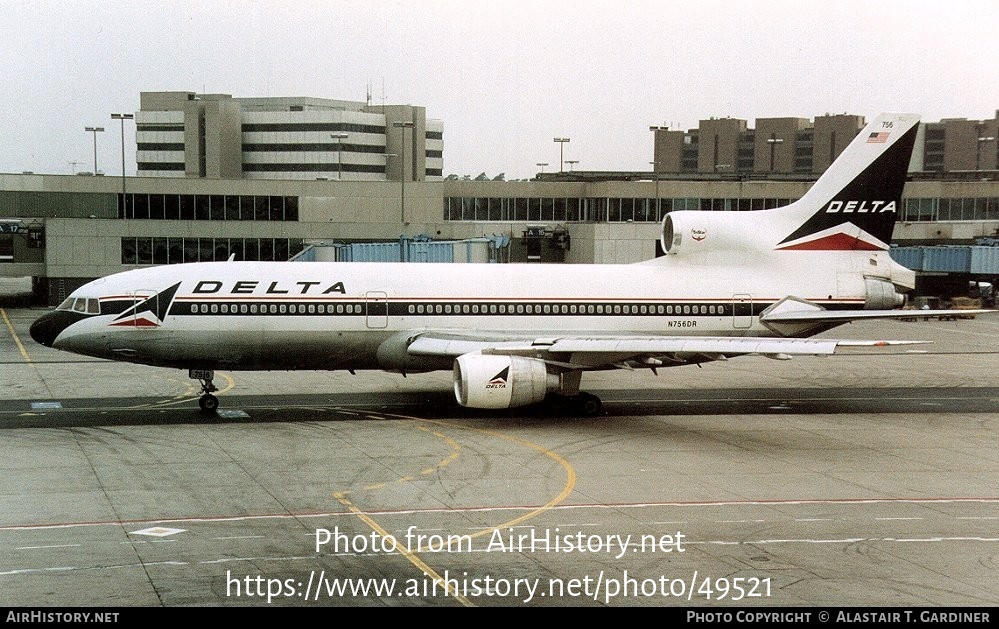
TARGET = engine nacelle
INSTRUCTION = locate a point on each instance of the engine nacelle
(881, 295)
(690, 231)
(487, 381)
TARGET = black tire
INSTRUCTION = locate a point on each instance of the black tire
(209, 403)
(589, 405)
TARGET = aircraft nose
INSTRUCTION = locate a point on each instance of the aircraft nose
(47, 327)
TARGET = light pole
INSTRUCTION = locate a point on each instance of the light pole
(123, 118)
(571, 163)
(773, 141)
(655, 173)
(402, 205)
(542, 165)
(655, 164)
(339, 137)
(387, 156)
(561, 152)
(94, 130)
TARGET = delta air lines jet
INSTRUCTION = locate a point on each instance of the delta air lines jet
(730, 284)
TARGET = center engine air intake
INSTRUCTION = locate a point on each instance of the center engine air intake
(689, 231)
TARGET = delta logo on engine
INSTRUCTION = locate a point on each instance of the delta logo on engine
(499, 380)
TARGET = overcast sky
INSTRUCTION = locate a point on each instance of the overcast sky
(505, 77)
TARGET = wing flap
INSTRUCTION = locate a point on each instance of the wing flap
(654, 345)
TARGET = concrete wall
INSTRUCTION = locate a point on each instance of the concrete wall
(832, 135)
(719, 144)
(783, 132)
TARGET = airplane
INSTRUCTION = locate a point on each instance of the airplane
(730, 283)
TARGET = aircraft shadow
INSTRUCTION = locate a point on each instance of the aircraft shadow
(80, 413)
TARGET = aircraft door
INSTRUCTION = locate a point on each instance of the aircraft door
(144, 312)
(742, 312)
(376, 309)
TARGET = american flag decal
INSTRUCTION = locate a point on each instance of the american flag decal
(877, 138)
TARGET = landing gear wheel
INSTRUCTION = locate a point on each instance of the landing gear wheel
(208, 403)
(579, 405)
(588, 405)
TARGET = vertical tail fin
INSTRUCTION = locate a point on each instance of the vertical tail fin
(853, 204)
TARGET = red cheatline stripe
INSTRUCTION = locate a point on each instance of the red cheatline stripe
(834, 242)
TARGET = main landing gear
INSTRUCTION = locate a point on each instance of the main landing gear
(208, 402)
(588, 405)
(578, 405)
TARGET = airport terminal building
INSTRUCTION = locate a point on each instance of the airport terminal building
(261, 179)
(183, 134)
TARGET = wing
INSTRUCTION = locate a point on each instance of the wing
(504, 370)
(608, 352)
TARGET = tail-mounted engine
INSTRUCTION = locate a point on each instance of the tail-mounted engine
(488, 381)
(689, 232)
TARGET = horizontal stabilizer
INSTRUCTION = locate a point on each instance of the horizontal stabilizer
(845, 316)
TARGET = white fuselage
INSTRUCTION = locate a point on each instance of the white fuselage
(248, 315)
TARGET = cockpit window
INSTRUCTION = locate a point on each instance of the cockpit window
(83, 305)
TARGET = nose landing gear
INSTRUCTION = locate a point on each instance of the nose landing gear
(208, 402)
